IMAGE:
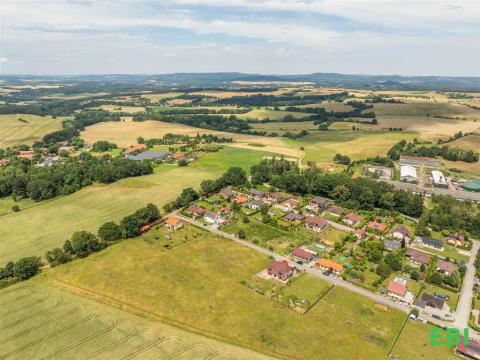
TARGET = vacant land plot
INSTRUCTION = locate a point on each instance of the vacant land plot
(280, 127)
(17, 129)
(62, 96)
(329, 106)
(156, 97)
(414, 344)
(47, 224)
(124, 109)
(197, 285)
(228, 157)
(471, 142)
(260, 114)
(42, 321)
(426, 109)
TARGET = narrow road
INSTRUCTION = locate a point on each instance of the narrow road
(314, 272)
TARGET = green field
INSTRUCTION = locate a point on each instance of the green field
(197, 286)
(47, 224)
(40, 320)
(260, 114)
(280, 127)
(229, 156)
(16, 132)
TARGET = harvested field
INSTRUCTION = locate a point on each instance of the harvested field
(124, 109)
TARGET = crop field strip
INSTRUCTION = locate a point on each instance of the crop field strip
(49, 328)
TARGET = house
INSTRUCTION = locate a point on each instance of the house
(257, 194)
(294, 218)
(408, 173)
(445, 267)
(50, 161)
(255, 204)
(360, 234)
(430, 242)
(418, 257)
(376, 226)
(471, 351)
(26, 154)
(274, 197)
(178, 156)
(419, 161)
(352, 219)
(431, 301)
(302, 255)
(318, 204)
(456, 239)
(315, 223)
(439, 180)
(213, 218)
(400, 232)
(290, 204)
(390, 245)
(173, 223)
(329, 265)
(280, 270)
(241, 199)
(226, 210)
(396, 290)
(68, 149)
(227, 193)
(135, 148)
(334, 210)
(195, 210)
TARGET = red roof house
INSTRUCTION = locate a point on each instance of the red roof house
(315, 223)
(302, 254)
(280, 270)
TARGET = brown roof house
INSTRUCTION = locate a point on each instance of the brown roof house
(173, 223)
(280, 270)
(315, 223)
(334, 210)
(293, 218)
(195, 210)
(456, 239)
(445, 267)
(352, 219)
(377, 226)
(302, 255)
(318, 204)
(418, 257)
(400, 232)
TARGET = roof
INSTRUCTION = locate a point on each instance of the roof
(148, 155)
(472, 349)
(135, 148)
(391, 244)
(334, 209)
(402, 230)
(438, 177)
(377, 226)
(292, 202)
(408, 170)
(255, 203)
(256, 192)
(446, 266)
(173, 221)
(397, 288)
(227, 191)
(329, 264)
(320, 201)
(293, 217)
(354, 218)
(360, 233)
(316, 221)
(419, 159)
(178, 155)
(432, 301)
(211, 214)
(240, 199)
(279, 267)
(457, 237)
(196, 209)
(473, 185)
(277, 196)
(418, 256)
(302, 254)
(432, 242)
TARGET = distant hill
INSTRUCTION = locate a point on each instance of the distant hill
(220, 79)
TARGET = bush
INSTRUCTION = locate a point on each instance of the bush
(241, 234)
(84, 243)
(15, 208)
(110, 231)
(26, 267)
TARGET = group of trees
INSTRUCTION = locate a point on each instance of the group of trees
(103, 145)
(20, 179)
(280, 100)
(20, 270)
(342, 159)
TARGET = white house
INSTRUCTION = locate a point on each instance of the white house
(438, 179)
(408, 173)
(213, 218)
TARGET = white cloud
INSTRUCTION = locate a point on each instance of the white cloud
(3, 60)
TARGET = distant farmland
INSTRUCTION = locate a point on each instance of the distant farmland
(17, 129)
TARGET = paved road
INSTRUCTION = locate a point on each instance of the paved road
(464, 195)
(314, 272)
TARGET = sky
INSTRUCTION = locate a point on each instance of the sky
(252, 36)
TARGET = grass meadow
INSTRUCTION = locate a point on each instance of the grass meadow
(16, 132)
(49, 223)
(197, 286)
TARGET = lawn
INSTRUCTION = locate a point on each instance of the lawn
(197, 286)
(448, 251)
(16, 132)
(452, 297)
(7, 203)
(307, 288)
(230, 156)
(47, 224)
(414, 343)
(41, 320)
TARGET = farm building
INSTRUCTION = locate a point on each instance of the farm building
(135, 148)
(327, 264)
(173, 223)
(26, 154)
(420, 161)
(302, 255)
(315, 223)
(352, 219)
(408, 173)
(473, 185)
(439, 180)
(148, 155)
(280, 270)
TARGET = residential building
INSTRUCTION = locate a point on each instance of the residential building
(352, 219)
(257, 194)
(280, 270)
(295, 218)
(428, 300)
(255, 204)
(397, 289)
(456, 239)
(290, 204)
(377, 226)
(315, 223)
(419, 161)
(439, 180)
(241, 199)
(173, 223)
(390, 245)
(334, 210)
(318, 204)
(213, 218)
(400, 232)
(195, 210)
(418, 257)
(274, 197)
(135, 148)
(360, 234)
(408, 173)
(445, 267)
(178, 156)
(428, 241)
(26, 154)
(329, 265)
(227, 193)
(302, 255)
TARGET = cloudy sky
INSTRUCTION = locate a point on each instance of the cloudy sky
(255, 36)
